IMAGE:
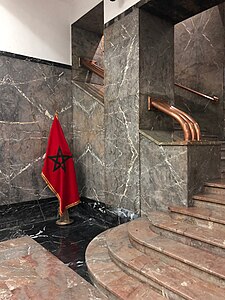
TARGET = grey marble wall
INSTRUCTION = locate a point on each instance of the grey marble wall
(89, 45)
(88, 112)
(122, 112)
(199, 64)
(88, 131)
(156, 69)
(30, 93)
(171, 174)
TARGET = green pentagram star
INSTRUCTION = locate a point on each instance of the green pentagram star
(59, 160)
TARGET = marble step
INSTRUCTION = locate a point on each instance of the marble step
(200, 263)
(190, 232)
(175, 283)
(204, 214)
(207, 200)
(215, 187)
(110, 279)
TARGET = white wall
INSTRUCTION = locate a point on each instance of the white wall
(40, 28)
(114, 8)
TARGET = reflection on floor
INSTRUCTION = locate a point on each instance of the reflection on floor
(68, 243)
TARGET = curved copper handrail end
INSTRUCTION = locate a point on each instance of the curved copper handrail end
(190, 121)
(196, 125)
(178, 118)
(179, 112)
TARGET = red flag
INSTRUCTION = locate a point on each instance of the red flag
(58, 170)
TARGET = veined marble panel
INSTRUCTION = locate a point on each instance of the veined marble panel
(163, 175)
(89, 45)
(171, 174)
(88, 133)
(30, 93)
(156, 69)
(122, 113)
(199, 65)
(203, 165)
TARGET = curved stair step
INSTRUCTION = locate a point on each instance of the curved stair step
(199, 262)
(190, 233)
(110, 279)
(176, 283)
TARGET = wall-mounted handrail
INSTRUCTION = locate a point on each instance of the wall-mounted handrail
(92, 66)
(189, 126)
(212, 98)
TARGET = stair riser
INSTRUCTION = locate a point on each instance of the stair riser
(223, 163)
(180, 264)
(214, 190)
(199, 222)
(102, 289)
(191, 241)
(168, 294)
(210, 205)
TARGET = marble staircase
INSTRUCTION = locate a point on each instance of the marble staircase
(178, 254)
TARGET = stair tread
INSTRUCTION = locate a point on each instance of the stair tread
(200, 213)
(111, 277)
(213, 236)
(140, 232)
(216, 183)
(208, 197)
(165, 274)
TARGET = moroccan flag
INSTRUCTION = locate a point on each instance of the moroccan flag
(58, 170)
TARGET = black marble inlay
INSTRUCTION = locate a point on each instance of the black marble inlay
(36, 60)
(32, 212)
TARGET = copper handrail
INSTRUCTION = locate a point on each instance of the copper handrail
(161, 106)
(212, 98)
(92, 66)
(192, 120)
(189, 126)
(185, 118)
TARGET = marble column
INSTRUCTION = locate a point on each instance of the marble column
(122, 112)
(138, 62)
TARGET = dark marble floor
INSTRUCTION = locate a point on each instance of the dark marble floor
(68, 243)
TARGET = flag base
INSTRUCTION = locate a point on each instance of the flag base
(64, 219)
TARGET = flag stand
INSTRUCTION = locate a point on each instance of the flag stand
(64, 219)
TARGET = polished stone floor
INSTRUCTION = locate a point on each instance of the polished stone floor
(68, 243)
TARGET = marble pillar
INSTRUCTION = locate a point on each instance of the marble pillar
(30, 93)
(122, 112)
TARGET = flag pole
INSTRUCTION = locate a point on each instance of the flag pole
(64, 218)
